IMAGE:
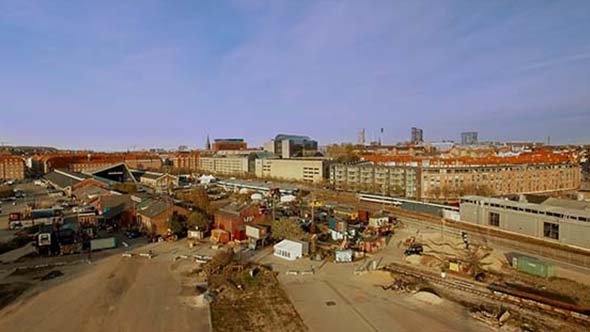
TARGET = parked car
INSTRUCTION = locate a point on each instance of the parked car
(132, 234)
(414, 249)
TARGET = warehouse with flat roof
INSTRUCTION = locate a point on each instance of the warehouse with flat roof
(553, 219)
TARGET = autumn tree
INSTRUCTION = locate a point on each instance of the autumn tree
(199, 219)
(199, 198)
(343, 153)
(286, 229)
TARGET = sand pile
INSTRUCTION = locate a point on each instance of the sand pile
(428, 297)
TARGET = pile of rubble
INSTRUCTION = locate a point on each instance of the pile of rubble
(404, 284)
(247, 297)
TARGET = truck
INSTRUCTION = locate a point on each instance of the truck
(50, 241)
(105, 243)
(28, 218)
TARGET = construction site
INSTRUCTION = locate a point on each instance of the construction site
(313, 261)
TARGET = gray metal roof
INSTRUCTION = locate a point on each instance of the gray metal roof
(544, 208)
(64, 178)
(154, 208)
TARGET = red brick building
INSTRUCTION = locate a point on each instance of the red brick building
(12, 168)
(88, 161)
(184, 160)
(229, 144)
(234, 217)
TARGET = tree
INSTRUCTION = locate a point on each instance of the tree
(199, 198)
(286, 229)
(6, 191)
(199, 219)
(342, 153)
(177, 223)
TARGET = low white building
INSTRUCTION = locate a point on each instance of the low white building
(290, 250)
(378, 220)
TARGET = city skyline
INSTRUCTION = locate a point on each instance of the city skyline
(111, 76)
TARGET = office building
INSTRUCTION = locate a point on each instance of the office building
(417, 135)
(230, 164)
(292, 146)
(306, 170)
(469, 138)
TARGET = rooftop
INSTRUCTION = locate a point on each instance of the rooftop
(552, 207)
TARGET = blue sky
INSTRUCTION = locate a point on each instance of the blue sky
(120, 74)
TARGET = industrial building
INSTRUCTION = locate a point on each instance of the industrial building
(159, 182)
(559, 220)
(306, 170)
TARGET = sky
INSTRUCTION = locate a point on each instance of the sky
(118, 75)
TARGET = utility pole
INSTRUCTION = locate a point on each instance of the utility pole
(312, 207)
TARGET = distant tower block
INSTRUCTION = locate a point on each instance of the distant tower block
(208, 144)
(361, 138)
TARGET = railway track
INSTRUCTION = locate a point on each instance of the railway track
(481, 290)
(568, 254)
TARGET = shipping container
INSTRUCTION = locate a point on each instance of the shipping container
(364, 215)
(332, 223)
(100, 244)
(533, 266)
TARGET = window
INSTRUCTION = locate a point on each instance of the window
(494, 219)
(551, 230)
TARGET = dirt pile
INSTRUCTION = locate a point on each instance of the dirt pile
(427, 297)
(248, 297)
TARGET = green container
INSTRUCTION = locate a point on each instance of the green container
(533, 266)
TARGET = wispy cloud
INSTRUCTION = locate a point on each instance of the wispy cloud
(325, 68)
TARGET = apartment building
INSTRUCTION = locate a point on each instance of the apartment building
(377, 179)
(231, 164)
(447, 179)
(12, 168)
(306, 170)
(184, 160)
(88, 162)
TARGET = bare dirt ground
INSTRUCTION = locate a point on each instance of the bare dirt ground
(248, 297)
(333, 299)
(114, 294)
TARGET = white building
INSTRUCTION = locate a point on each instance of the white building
(296, 169)
(290, 250)
(378, 220)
